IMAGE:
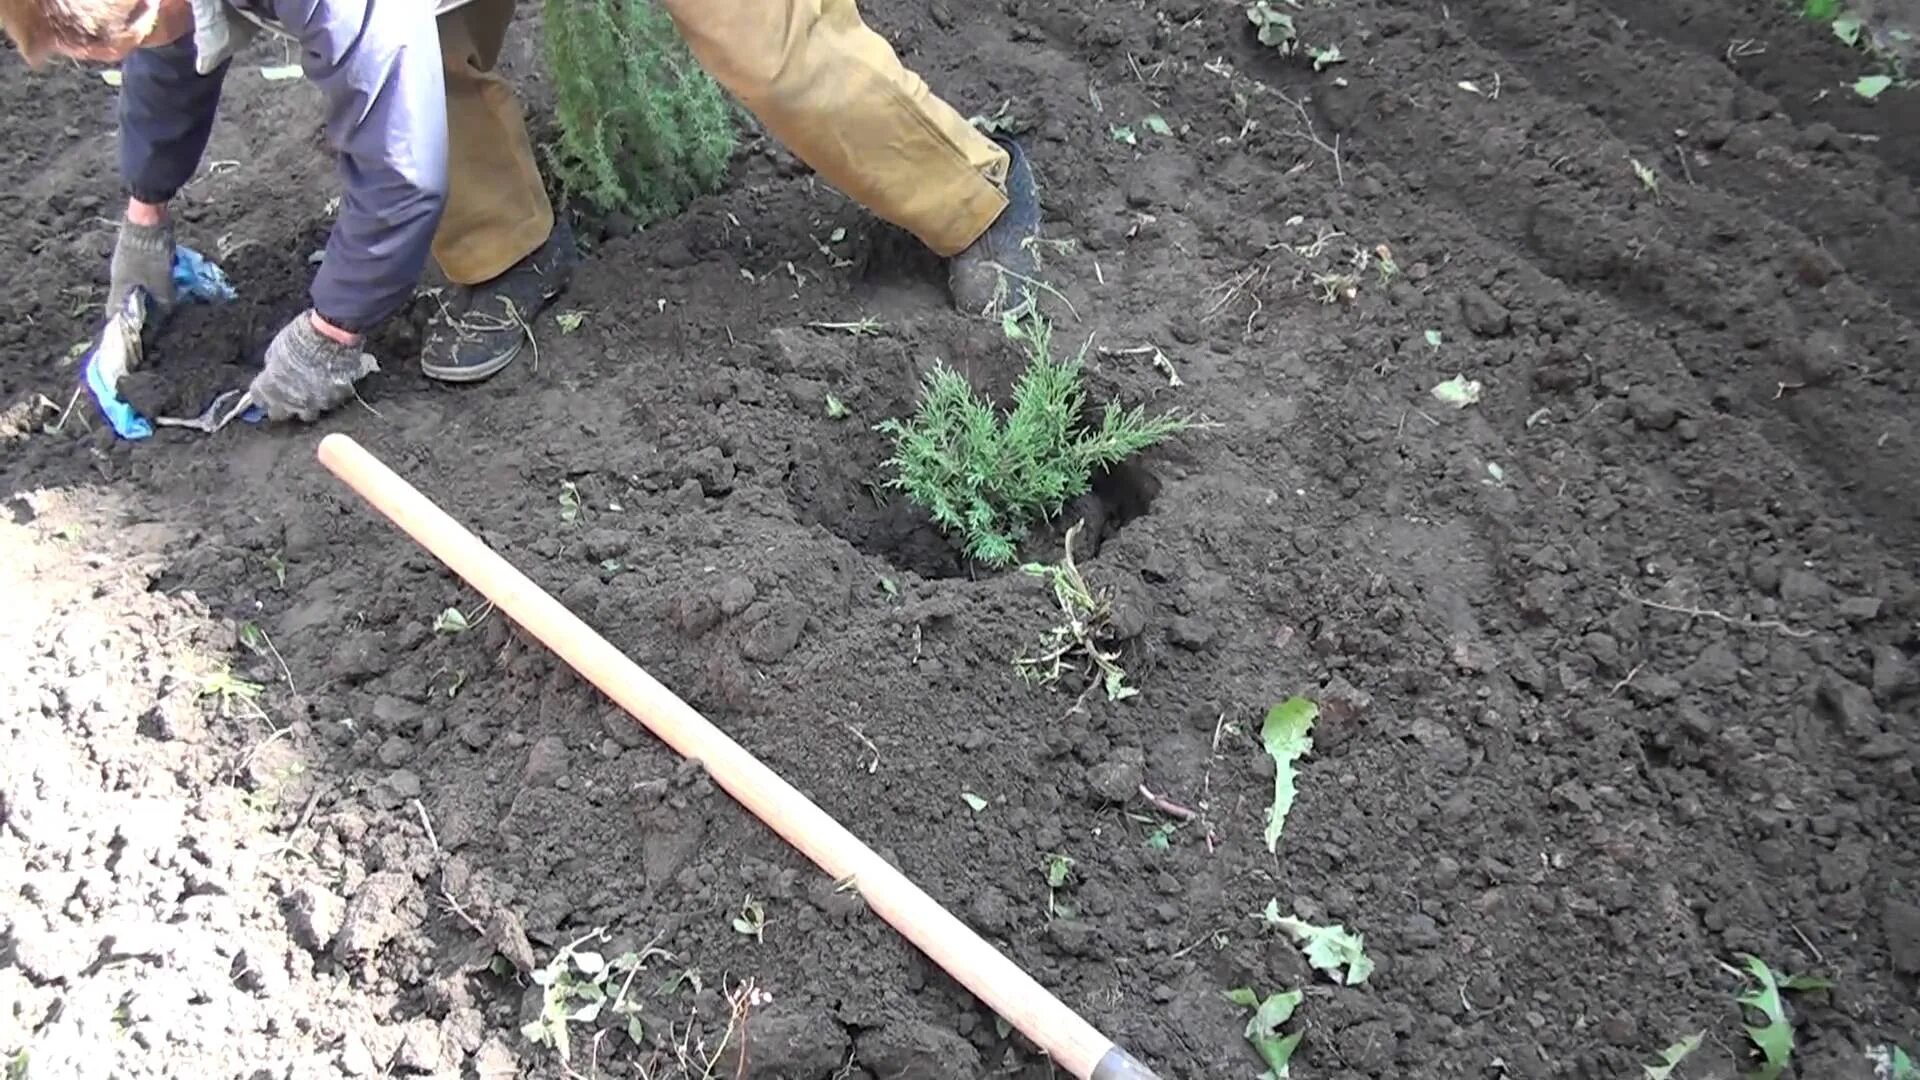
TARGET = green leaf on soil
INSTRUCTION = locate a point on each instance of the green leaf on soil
(752, 920)
(1872, 86)
(1275, 27)
(1287, 736)
(1329, 948)
(976, 802)
(570, 321)
(1058, 868)
(1821, 10)
(836, 409)
(1263, 1031)
(1458, 392)
(1157, 124)
(1122, 133)
(1433, 339)
(636, 1031)
(1241, 995)
(1847, 28)
(450, 621)
(111, 78)
(1672, 1056)
(1774, 1039)
(1902, 1067)
(254, 638)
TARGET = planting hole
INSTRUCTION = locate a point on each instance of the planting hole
(844, 496)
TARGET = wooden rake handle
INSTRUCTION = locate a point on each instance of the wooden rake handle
(1074, 1044)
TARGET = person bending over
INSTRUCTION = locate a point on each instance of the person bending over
(436, 161)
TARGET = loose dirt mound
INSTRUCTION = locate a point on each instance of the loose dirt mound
(1617, 666)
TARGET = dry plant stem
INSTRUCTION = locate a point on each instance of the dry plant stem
(1068, 1039)
(1310, 135)
(1742, 623)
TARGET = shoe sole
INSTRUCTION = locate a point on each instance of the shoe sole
(470, 373)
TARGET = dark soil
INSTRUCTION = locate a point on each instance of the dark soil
(1617, 667)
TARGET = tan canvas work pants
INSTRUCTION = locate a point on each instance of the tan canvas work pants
(497, 211)
(834, 92)
(812, 71)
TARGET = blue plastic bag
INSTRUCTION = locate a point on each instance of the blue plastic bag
(195, 277)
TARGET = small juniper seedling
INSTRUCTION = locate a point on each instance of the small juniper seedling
(985, 478)
(643, 130)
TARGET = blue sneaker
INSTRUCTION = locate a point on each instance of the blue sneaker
(997, 272)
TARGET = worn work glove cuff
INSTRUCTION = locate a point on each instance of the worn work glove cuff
(143, 255)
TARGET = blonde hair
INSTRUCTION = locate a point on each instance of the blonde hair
(38, 27)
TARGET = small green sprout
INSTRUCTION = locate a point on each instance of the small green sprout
(1058, 870)
(752, 920)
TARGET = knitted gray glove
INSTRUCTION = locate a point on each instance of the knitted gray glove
(308, 373)
(143, 255)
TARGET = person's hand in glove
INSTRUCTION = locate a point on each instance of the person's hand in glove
(309, 370)
(218, 34)
(143, 256)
